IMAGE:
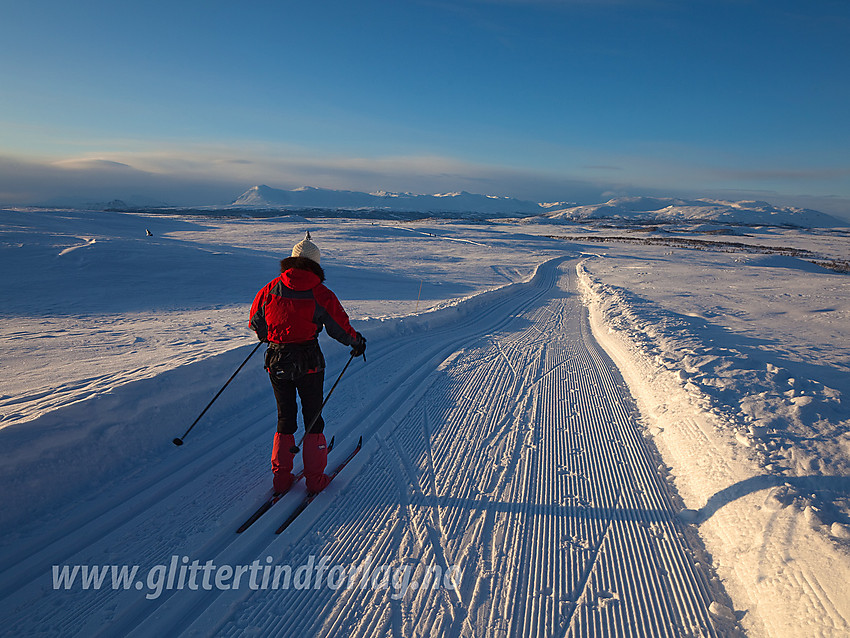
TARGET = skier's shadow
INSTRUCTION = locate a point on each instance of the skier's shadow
(829, 487)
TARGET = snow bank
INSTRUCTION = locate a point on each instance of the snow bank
(758, 454)
(446, 312)
(112, 436)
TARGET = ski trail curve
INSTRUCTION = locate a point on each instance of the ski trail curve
(521, 464)
(504, 446)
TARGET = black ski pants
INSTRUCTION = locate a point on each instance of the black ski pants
(309, 388)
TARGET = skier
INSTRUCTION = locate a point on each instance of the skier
(288, 314)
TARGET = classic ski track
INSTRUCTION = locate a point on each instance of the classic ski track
(502, 312)
(548, 499)
(531, 477)
(141, 505)
(377, 411)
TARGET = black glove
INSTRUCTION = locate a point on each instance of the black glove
(358, 348)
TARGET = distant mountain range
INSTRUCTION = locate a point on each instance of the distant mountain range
(667, 210)
(308, 201)
(463, 204)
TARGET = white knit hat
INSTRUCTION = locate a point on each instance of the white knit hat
(306, 248)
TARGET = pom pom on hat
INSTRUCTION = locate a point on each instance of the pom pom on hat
(306, 248)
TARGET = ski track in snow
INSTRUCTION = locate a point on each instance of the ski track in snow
(505, 445)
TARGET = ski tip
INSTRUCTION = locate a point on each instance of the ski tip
(360, 443)
(331, 444)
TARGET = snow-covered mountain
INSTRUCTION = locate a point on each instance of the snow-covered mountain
(626, 209)
(659, 209)
(308, 197)
(465, 205)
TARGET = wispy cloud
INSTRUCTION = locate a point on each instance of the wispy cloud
(219, 175)
(782, 174)
(77, 180)
(88, 164)
(602, 167)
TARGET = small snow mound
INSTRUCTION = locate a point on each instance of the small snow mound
(840, 530)
(721, 612)
(812, 516)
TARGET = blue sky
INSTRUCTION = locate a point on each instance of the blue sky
(194, 101)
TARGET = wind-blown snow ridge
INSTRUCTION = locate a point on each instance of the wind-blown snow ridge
(766, 473)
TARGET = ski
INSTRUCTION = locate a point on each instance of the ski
(309, 498)
(274, 498)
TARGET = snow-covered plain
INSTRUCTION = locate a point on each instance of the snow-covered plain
(498, 436)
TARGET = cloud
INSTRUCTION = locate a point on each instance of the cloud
(88, 164)
(813, 174)
(81, 180)
(216, 175)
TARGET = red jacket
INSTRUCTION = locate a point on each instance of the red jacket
(295, 306)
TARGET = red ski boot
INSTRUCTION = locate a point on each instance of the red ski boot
(282, 459)
(315, 461)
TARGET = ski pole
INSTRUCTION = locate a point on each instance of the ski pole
(179, 441)
(295, 448)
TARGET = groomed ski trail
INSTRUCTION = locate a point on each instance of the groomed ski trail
(504, 445)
